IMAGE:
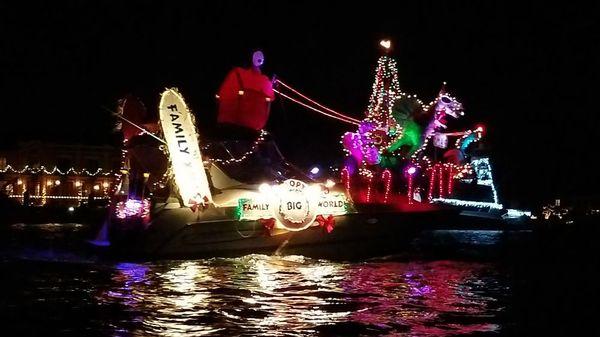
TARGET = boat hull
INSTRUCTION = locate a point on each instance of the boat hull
(355, 236)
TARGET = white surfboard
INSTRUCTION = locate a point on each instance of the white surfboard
(179, 132)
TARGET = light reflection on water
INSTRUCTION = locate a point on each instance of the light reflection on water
(48, 281)
(260, 295)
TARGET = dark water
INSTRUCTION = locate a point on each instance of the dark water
(50, 287)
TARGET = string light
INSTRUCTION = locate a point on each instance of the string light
(483, 171)
(346, 179)
(441, 180)
(410, 189)
(386, 176)
(60, 197)
(469, 203)
(450, 178)
(31, 170)
(369, 182)
(253, 149)
(43, 195)
(431, 182)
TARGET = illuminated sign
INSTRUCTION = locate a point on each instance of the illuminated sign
(332, 203)
(182, 142)
(295, 206)
(293, 203)
(252, 209)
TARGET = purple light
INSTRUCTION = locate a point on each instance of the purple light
(132, 207)
(411, 170)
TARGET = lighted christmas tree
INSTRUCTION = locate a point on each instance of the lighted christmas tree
(395, 135)
(382, 126)
(385, 90)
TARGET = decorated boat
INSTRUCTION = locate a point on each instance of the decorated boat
(181, 195)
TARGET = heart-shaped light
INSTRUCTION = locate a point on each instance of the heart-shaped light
(385, 44)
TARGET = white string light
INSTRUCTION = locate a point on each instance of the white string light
(257, 142)
(55, 170)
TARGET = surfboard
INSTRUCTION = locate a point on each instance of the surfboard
(179, 131)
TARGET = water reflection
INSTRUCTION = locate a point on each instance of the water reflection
(275, 296)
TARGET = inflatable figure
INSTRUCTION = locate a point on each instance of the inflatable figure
(245, 96)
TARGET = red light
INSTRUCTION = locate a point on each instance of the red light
(480, 128)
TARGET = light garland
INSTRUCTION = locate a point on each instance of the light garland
(60, 197)
(255, 145)
(483, 170)
(55, 170)
(469, 203)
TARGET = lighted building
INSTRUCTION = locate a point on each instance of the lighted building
(58, 174)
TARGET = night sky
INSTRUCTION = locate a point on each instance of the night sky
(526, 71)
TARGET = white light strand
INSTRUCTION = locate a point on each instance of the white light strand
(55, 170)
(68, 197)
(468, 203)
(257, 142)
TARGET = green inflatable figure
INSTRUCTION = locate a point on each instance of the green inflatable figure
(411, 131)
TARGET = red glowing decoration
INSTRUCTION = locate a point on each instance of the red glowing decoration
(441, 180)
(431, 182)
(450, 179)
(244, 98)
(369, 183)
(346, 179)
(480, 128)
(386, 176)
(268, 225)
(410, 189)
(195, 204)
(326, 223)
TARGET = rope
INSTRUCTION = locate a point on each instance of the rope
(344, 119)
(341, 115)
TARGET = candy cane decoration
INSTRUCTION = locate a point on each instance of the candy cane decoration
(450, 179)
(410, 189)
(346, 180)
(432, 182)
(441, 182)
(370, 180)
(386, 176)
